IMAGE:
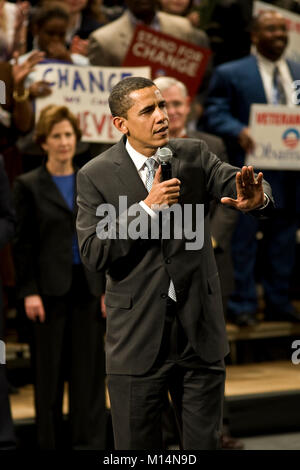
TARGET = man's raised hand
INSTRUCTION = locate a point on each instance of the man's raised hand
(250, 193)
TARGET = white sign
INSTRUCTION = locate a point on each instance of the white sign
(276, 132)
(293, 24)
(85, 90)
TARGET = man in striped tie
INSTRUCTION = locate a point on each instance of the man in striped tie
(266, 76)
(165, 324)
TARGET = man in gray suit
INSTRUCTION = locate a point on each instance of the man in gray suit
(108, 45)
(222, 218)
(165, 324)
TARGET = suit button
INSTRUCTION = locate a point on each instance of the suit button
(167, 260)
(164, 296)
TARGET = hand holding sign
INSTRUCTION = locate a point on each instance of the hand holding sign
(21, 71)
(245, 140)
(79, 46)
(39, 89)
(250, 193)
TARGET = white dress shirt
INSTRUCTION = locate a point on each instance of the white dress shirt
(266, 68)
(139, 162)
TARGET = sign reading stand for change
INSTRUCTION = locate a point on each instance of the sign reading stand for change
(276, 133)
(168, 56)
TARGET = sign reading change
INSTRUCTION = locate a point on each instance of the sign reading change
(85, 90)
(276, 132)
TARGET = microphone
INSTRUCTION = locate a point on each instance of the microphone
(165, 156)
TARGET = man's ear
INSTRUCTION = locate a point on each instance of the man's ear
(120, 124)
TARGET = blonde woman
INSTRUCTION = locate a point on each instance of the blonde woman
(61, 298)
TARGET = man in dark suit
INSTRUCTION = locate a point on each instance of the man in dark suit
(165, 324)
(7, 222)
(264, 77)
(222, 219)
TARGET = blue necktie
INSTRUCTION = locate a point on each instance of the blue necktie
(150, 164)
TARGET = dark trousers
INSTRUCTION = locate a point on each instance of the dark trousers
(69, 345)
(7, 435)
(279, 248)
(196, 389)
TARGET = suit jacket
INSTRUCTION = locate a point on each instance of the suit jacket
(87, 25)
(7, 134)
(233, 88)
(109, 44)
(139, 271)
(7, 223)
(7, 213)
(43, 241)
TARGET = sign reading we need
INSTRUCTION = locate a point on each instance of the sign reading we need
(168, 56)
(85, 90)
(276, 132)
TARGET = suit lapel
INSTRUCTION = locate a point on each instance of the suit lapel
(254, 77)
(125, 34)
(50, 191)
(168, 26)
(130, 182)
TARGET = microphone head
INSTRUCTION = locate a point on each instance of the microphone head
(164, 155)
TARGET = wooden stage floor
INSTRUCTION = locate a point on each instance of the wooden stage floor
(242, 380)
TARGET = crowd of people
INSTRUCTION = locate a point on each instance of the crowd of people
(41, 262)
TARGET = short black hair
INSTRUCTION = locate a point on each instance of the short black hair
(48, 11)
(119, 100)
(256, 20)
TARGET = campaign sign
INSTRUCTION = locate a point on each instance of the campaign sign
(85, 90)
(293, 25)
(168, 56)
(276, 132)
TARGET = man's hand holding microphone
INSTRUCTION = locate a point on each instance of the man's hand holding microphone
(165, 190)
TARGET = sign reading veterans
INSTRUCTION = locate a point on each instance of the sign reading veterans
(85, 91)
(276, 132)
(169, 56)
(293, 25)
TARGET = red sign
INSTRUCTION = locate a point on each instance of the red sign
(168, 56)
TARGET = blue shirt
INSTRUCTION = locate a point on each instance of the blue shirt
(66, 186)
